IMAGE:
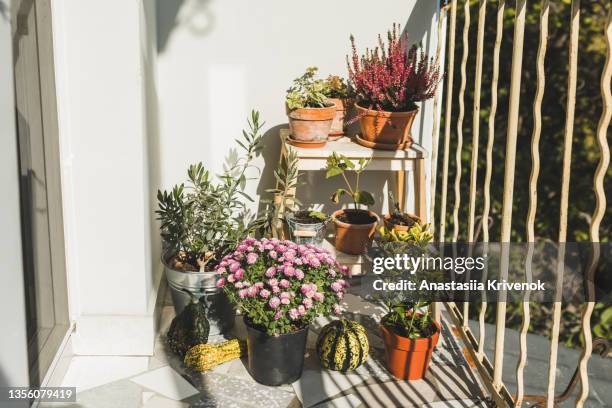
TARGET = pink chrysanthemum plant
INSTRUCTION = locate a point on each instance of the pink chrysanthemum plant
(281, 286)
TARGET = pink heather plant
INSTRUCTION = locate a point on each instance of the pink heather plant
(392, 77)
(280, 285)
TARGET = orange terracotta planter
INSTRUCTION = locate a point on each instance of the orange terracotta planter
(408, 359)
(392, 226)
(337, 127)
(311, 124)
(354, 238)
(386, 129)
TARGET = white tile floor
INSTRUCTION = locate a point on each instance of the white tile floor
(162, 381)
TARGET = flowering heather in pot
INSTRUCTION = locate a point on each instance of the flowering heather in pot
(391, 77)
(280, 285)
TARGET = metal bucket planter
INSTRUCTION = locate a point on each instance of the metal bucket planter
(306, 233)
(219, 310)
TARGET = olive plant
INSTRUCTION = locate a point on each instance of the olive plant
(202, 219)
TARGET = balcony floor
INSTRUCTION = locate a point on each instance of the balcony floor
(450, 382)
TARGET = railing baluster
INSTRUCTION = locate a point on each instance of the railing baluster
(442, 15)
(436, 132)
(501, 6)
(565, 180)
(466, 30)
(447, 117)
(509, 171)
(600, 206)
(482, 12)
(533, 195)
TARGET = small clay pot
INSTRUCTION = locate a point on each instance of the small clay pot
(354, 238)
(391, 226)
(408, 359)
(386, 128)
(311, 124)
(337, 127)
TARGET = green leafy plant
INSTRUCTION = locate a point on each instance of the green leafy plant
(201, 220)
(307, 92)
(340, 165)
(319, 215)
(407, 317)
(337, 87)
(417, 234)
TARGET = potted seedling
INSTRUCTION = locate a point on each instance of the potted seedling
(355, 227)
(388, 82)
(201, 221)
(396, 219)
(310, 111)
(409, 333)
(339, 93)
(280, 288)
(307, 226)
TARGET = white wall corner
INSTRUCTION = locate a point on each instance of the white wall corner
(103, 83)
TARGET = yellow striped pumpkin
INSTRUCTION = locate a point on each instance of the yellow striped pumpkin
(342, 345)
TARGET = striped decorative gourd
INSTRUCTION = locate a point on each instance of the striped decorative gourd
(203, 357)
(342, 345)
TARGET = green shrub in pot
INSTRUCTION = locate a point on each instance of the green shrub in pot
(201, 221)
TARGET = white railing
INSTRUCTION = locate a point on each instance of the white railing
(491, 372)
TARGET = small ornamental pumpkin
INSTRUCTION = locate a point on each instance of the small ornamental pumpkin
(189, 328)
(203, 357)
(342, 345)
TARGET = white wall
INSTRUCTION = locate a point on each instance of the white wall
(220, 58)
(13, 341)
(103, 75)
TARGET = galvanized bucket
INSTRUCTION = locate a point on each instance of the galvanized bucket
(306, 233)
(219, 311)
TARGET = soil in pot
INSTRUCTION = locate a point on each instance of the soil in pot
(275, 360)
(354, 230)
(386, 128)
(305, 228)
(304, 217)
(400, 221)
(311, 124)
(408, 359)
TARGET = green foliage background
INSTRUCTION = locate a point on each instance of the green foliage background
(585, 156)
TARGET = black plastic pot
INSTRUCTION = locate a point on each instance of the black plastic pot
(275, 360)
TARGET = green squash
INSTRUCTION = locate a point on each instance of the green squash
(342, 345)
(190, 327)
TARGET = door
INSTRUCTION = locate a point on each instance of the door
(40, 188)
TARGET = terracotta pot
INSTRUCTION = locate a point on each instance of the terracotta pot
(390, 225)
(386, 128)
(354, 238)
(408, 359)
(337, 127)
(311, 124)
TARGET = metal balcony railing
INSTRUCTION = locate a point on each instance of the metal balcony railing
(491, 371)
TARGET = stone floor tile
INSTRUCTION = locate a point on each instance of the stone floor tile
(405, 394)
(161, 402)
(228, 390)
(122, 393)
(454, 383)
(167, 382)
(86, 372)
(347, 401)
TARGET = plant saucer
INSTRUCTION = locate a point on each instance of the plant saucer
(382, 146)
(314, 144)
